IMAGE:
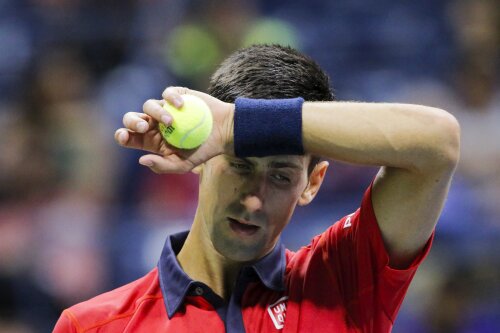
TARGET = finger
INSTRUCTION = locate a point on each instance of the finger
(126, 138)
(137, 122)
(169, 164)
(122, 136)
(129, 139)
(155, 109)
(173, 95)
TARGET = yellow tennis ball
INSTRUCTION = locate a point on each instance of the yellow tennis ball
(191, 125)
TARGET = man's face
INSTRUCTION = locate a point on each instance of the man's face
(246, 203)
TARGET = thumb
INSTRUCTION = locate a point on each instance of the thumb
(168, 164)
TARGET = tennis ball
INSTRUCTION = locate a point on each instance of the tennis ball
(191, 125)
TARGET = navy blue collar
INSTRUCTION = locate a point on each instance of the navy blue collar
(175, 284)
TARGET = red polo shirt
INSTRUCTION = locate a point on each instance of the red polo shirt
(341, 282)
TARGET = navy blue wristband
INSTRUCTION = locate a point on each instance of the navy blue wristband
(264, 127)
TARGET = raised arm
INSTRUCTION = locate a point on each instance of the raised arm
(418, 149)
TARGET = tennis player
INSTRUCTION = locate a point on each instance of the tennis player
(274, 117)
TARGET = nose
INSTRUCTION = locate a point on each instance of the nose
(253, 199)
(252, 203)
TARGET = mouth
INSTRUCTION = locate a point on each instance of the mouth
(242, 227)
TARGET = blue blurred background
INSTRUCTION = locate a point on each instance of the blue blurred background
(79, 216)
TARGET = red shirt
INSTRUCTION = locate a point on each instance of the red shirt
(341, 282)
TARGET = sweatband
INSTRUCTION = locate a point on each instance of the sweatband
(264, 127)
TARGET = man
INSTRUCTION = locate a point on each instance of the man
(230, 273)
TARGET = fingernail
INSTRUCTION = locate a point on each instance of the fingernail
(178, 102)
(147, 163)
(166, 119)
(122, 136)
(142, 126)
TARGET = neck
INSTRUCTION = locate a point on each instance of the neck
(201, 262)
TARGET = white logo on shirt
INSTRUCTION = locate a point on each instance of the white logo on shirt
(347, 222)
(277, 311)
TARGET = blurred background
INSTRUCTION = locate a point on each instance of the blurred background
(80, 216)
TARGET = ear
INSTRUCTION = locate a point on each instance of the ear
(315, 180)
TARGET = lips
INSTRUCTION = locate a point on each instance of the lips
(242, 227)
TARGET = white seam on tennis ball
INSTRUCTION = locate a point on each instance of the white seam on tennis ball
(181, 143)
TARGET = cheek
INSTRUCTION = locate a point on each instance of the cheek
(281, 207)
(217, 192)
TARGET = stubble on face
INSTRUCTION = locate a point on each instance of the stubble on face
(221, 191)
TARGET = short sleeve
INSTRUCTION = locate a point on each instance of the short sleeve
(353, 252)
(64, 324)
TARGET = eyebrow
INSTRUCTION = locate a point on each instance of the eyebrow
(274, 164)
(284, 164)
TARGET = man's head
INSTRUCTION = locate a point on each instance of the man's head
(270, 71)
(246, 203)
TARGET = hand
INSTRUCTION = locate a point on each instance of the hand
(141, 132)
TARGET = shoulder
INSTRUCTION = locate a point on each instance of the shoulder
(328, 240)
(344, 238)
(117, 304)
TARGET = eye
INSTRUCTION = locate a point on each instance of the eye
(239, 166)
(281, 178)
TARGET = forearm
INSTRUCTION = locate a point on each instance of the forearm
(412, 137)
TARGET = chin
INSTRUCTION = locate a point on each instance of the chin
(244, 257)
(237, 251)
(238, 247)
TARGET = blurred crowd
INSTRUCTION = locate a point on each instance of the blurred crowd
(79, 216)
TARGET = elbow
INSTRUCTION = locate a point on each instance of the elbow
(438, 149)
(446, 152)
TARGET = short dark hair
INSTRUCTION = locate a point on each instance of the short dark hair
(271, 71)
